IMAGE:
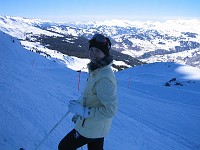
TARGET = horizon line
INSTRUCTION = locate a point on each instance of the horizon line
(83, 18)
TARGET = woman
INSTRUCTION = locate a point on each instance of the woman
(97, 105)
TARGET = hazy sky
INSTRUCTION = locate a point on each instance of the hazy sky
(64, 10)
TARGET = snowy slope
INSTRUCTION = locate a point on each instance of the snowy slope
(156, 116)
(22, 27)
(34, 93)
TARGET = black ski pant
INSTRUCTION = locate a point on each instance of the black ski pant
(74, 140)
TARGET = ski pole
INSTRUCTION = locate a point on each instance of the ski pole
(51, 131)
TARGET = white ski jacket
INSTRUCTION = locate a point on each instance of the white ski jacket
(100, 97)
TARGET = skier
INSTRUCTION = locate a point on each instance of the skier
(97, 105)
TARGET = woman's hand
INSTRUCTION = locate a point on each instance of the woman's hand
(77, 108)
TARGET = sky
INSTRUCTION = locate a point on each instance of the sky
(65, 10)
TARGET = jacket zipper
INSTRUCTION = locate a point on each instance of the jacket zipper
(84, 104)
(83, 122)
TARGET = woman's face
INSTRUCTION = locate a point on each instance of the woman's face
(95, 54)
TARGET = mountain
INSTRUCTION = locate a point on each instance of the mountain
(133, 42)
(169, 41)
(159, 105)
(36, 36)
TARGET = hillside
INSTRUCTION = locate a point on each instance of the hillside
(34, 93)
(36, 35)
(133, 42)
(150, 41)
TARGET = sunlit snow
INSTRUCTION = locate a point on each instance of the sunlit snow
(34, 93)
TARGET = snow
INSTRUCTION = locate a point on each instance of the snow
(71, 62)
(120, 63)
(190, 72)
(23, 29)
(68, 30)
(173, 57)
(18, 27)
(34, 93)
(174, 26)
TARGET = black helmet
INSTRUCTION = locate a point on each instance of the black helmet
(101, 42)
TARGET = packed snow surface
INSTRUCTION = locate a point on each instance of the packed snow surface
(152, 115)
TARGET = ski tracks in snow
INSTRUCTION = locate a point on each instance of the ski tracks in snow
(162, 124)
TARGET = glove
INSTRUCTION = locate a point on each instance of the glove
(76, 108)
(75, 118)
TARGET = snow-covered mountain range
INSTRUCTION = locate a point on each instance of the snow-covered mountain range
(134, 42)
(159, 106)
